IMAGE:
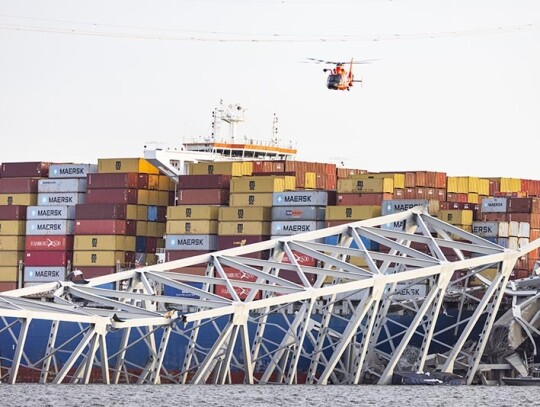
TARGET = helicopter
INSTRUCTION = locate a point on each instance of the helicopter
(339, 78)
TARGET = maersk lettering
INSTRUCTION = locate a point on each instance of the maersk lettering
(71, 171)
(403, 207)
(298, 198)
(49, 212)
(494, 204)
(476, 229)
(47, 273)
(49, 226)
(297, 228)
(190, 242)
(60, 199)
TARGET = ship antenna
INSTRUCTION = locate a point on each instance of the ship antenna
(275, 136)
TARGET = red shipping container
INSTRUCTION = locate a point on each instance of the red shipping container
(127, 180)
(203, 197)
(162, 214)
(523, 205)
(302, 259)
(172, 255)
(242, 293)
(235, 274)
(204, 181)
(362, 198)
(13, 212)
(59, 242)
(230, 241)
(105, 227)
(409, 193)
(100, 211)
(24, 169)
(456, 197)
(55, 258)
(8, 285)
(112, 196)
(19, 185)
(151, 244)
(96, 271)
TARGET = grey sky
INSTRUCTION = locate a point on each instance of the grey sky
(455, 87)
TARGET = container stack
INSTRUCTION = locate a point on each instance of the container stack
(18, 190)
(112, 228)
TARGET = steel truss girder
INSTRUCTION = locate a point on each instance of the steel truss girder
(318, 299)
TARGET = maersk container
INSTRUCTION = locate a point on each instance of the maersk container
(191, 242)
(50, 212)
(494, 205)
(300, 198)
(285, 228)
(52, 242)
(50, 227)
(71, 170)
(62, 185)
(286, 213)
(176, 292)
(488, 229)
(61, 198)
(44, 274)
(401, 205)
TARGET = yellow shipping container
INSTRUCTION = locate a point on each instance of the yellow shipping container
(160, 242)
(85, 258)
(153, 182)
(12, 227)
(256, 199)
(398, 178)
(104, 242)
(354, 212)
(12, 243)
(165, 183)
(163, 198)
(151, 229)
(195, 227)
(365, 185)
(11, 257)
(18, 199)
(153, 197)
(510, 185)
(246, 214)
(473, 197)
(161, 229)
(9, 274)
(257, 184)
(234, 168)
(142, 196)
(483, 186)
(244, 228)
(195, 212)
(126, 165)
(357, 261)
(142, 212)
(487, 273)
(151, 259)
(142, 228)
(456, 216)
(310, 180)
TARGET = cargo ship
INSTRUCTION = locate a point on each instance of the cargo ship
(73, 222)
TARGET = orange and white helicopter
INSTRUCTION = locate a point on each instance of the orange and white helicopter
(339, 78)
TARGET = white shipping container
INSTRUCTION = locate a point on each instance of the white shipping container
(61, 198)
(50, 212)
(400, 205)
(71, 170)
(191, 242)
(524, 229)
(50, 227)
(287, 213)
(494, 205)
(44, 274)
(300, 198)
(485, 229)
(405, 291)
(286, 228)
(62, 185)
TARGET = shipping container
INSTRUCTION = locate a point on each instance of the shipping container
(61, 198)
(11, 257)
(197, 227)
(104, 211)
(59, 258)
(15, 243)
(126, 165)
(12, 227)
(50, 227)
(126, 180)
(204, 181)
(113, 196)
(44, 274)
(286, 228)
(191, 242)
(523, 205)
(352, 213)
(300, 198)
(19, 185)
(362, 183)
(69, 170)
(185, 293)
(231, 241)
(203, 197)
(363, 198)
(19, 199)
(9, 274)
(259, 184)
(50, 212)
(232, 168)
(104, 242)
(494, 205)
(247, 213)
(8, 285)
(96, 271)
(108, 258)
(24, 169)
(192, 212)
(105, 227)
(13, 212)
(244, 228)
(287, 213)
(490, 229)
(49, 242)
(62, 185)
(255, 199)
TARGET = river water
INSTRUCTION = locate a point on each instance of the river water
(264, 395)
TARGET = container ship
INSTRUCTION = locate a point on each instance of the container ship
(74, 222)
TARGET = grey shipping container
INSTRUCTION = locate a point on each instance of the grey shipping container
(485, 229)
(400, 205)
(71, 170)
(494, 205)
(50, 227)
(61, 198)
(44, 274)
(300, 198)
(50, 212)
(62, 185)
(298, 212)
(191, 242)
(285, 228)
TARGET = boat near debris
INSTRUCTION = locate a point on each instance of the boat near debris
(428, 378)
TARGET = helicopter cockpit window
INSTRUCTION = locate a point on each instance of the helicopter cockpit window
(333, 81)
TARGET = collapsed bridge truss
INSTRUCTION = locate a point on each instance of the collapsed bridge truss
(344, 320)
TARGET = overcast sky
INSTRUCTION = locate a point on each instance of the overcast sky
(455, 85)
